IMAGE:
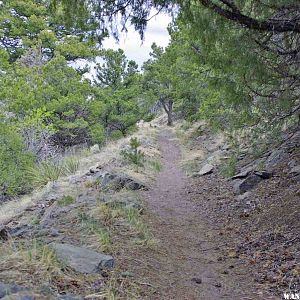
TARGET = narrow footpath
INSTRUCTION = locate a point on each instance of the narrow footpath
(187, 264)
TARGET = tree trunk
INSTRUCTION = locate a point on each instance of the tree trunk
(170, 113)
(168, 108)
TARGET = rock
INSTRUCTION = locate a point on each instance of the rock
(242, 186)
(295, 170)
(8, 289)
(197, 280)
(4, 235)
(276, 157)
(21, 230)
(206, 169)
(118, 182)
(263, 174)
(81, 259)
(50, 192)
(95, 149)
(134, 185)
(244, 196)
(107, 178)
(54, 232)
(243, 174)
(292, 163)
(125, 202)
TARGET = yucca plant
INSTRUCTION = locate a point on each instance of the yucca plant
(44, 172)
(71, 165)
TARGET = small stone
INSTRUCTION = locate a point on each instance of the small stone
(218, 285)
(54, 232)
(197, 280)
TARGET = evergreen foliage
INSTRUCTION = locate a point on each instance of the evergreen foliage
(234, 63)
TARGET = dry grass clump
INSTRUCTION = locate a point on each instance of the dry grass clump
(28, 262)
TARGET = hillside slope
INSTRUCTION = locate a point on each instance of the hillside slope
(172, 229)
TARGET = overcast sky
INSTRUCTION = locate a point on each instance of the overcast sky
(131, 43)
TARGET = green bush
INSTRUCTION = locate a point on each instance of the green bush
(115, 135)
(134, 155)
(97, 133)
(14, 161)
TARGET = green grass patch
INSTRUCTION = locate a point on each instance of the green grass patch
(66, 200)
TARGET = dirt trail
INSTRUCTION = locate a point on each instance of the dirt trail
(187, 265)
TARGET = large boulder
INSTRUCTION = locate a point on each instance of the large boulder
(81, 259)
(244, 185)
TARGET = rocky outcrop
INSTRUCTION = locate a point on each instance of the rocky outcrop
(82, 260)
(248, 179)
(115, 181)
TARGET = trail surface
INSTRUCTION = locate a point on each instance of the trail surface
(187, 266)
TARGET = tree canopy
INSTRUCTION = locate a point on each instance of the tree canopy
(233, 63)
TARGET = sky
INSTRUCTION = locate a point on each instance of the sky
(131, 43)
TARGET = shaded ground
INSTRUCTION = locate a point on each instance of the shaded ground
(189, 263)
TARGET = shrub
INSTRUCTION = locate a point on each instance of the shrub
(44, 172)
(97, 134)
(14, 161)
(133, 154)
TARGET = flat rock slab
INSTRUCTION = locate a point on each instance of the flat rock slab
(243, 173)
(206, 169)
(8, 289)
(81, 259)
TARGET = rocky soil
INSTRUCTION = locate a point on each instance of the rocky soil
(175, 229)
